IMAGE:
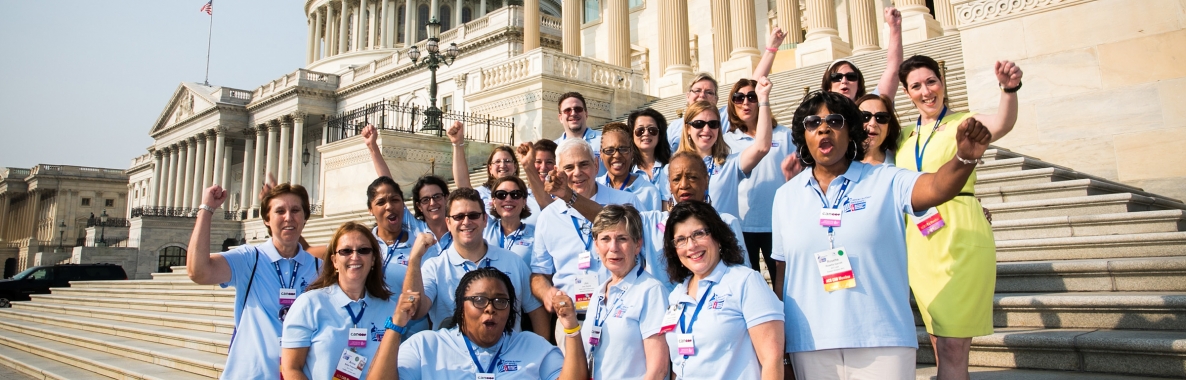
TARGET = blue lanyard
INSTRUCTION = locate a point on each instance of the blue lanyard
(514, 237)
(296, 266)
(391, 248)
(472, 355)
(356, 318)
(465, 264)
(839, 195)
(589, 240)
(624, 183)
(918, 136)
(711, 163)
(688, 329)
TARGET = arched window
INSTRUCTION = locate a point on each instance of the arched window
(446, 18)
(421, 22)
(467, 15)
(403, 15)
(170, 257)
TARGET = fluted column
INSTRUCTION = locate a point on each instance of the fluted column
(821, 19)
(190, 176)
(283, 156)
(917, 23)
(273, 148)
(372, 23)
(318, 35)
(457, 14)
(409, 23)
(248, 169)
(862, 16)
(208, 177)
(618, 19)
(298, 133)
(260, 162)
(722, 34)
(171, 182)
(674, 58)
(343, 22)
(224, 177)
(823, 43)
(360, 23)
(945, 13)
(331, 31)
(530, 25)
(789, 20)
(482, 8)
(745, 32)
(311, 40)
(384, 25)
(570, 22)
(219, 147)
(155, 188)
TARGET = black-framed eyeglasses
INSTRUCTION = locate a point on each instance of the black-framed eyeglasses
(881, 117)
(697, 235)
(711, 124)
(851, 76)
(703, 92)
(573, 110)
(471, 215)
(482, 301)
(739, 98)
(622, 150)
(514, 194)
(438, 197)
(364, 251)
(834, 121)
(653, 131)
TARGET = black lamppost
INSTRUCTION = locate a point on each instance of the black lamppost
(103, 230)
(434, 59)
(61, 234)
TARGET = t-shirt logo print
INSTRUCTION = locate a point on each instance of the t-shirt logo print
(717, 302)
(508, 366)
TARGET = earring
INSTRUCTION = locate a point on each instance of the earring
(854, 150)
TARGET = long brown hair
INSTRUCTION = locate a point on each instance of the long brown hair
(375, 285)
(514, 161)
(734, 120)
(720, 150)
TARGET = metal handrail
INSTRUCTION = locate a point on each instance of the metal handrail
(391, 116)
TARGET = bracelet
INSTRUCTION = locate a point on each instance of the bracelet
(1011, 89)
(764, 104)
(207, 208)
(772, 50)
(393, 327)
(968, 162)
(462, 144)
(572, 200)
(572, 331)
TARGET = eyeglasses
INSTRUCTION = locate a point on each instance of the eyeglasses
(572, 110)
(739, 98)
(834, 121)
(364, 251)
(482, 301)
(697, 235)
(703, 92)
(471, 215)
(500, 162)
(514, 194)
(438, 197)
(622, 150)
(699, 124)
(851, 76)
(881, 117)
(653, 131)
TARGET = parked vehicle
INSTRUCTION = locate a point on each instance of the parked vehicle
(39, 279)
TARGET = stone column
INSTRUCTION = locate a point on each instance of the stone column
(384, 17)
(208, 175)
(863, 23)
(248, 169)
(155, 188)
(945, 13)
(283, 157)
(343, 22)
(190, 176)
(722, 33)
(331, 34)
(171, 182)
(570, 21)
(298, 141)
(790, 20)
(318, 36)
(823, 42)
(674, 58)
(224, 177)
(360, 22)
(457, 14)
(273, 149)
(917, 23)
(311, 43)
(530, 25)
(409, 23)
(372, 23)
(617, 17)
(482, 8)
(219, 146)
(199, 172)
(744, 56)
(259, 164)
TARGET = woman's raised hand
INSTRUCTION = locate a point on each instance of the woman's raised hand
(777, 35)
(370, 136)
(1008, 74)
(565, 309)
(526, 154)
(763, 90)
(214, 196)
(406, 308)
(456, 133)
(556, 184)
(893, 18)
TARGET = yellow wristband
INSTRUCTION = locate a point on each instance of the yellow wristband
(572, 330)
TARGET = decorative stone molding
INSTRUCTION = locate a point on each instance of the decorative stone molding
(261, 130)
(460, 80)
(274, 124)
(295, 115)
(402, 154)
(983, 12)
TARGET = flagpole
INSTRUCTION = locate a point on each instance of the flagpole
(209, 34)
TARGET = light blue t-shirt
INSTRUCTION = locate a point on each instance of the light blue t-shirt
(443, 355)
(659, 180)
(648, 195)
(255, 347)
(723, 182)
(320, 321)
(532, 204)
(875, 313)
(627, 312)
(563, 233)
(654, 224)
(739, 300)
(675, 128)
(442, 274)
(593, 137)
(395, 268)
(755, 194)
(518, 242)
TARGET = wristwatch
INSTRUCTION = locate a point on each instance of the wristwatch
(1011, 89)
(205, 207)
(398, 329)
(572, 200)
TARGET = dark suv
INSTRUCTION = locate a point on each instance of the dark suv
(38, 280)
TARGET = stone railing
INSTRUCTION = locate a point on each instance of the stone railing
(300, 77)
(552, 63)
(550, 23)
(144, 159)
(79, 171)
(16, 173)
(505, 73)
(230, 95)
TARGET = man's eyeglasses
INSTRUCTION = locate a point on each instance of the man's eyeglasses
(471, 215)
(572, 110)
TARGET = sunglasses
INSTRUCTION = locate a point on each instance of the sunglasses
(482, 301)
(573, 110)
(699, 124)
(471, 215)
(653, 131)
(739, 98)
(851, 76)
(364, 251)
(835, 121)
(514, 194)
(882, 117)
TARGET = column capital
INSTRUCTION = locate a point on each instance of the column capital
(221, 129)
(285, 121)
(301, 115)
(274, 124)
(261, 129)
(460, 80)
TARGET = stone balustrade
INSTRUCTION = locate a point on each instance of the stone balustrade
(552, 63)
(300, 77)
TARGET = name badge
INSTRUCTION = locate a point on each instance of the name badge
(287, 297)
(350, 366)
(829, 217)
(358, 338)
(687, 346)
(595, 336)
(584, 260)
(671, 318)
(585, 286)
(835, 269)
(485, 376)
(929, 222)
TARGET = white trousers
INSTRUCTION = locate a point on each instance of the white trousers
(856, 363)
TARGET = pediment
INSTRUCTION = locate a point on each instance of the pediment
(188, 100)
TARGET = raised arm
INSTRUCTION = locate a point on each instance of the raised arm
(385, 363)
(557, 186)
(772, 43)
(751, 156)
(888, 85)
(932, 189)
(370, 137)
(414, 280)
(460, 167)
(202, 267)
(575, 367)
(526, 153)
(1000, 123)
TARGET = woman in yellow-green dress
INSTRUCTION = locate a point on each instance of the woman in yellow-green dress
(951, 255)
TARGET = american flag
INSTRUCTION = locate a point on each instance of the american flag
(208, 8)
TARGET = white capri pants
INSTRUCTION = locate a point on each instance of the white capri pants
(856, 363)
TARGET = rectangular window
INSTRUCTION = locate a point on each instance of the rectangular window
(109, 203)
(592, 10)
(635, 3)
(86, 202)
(447, 103)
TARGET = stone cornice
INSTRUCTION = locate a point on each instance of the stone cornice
(288, 93)
(218, 107)
(402, 154)
(975, 13)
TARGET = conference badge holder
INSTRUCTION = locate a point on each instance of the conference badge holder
(585, 286)
(350, 366)
(358, 338)
(287, 296)
(835, 269)
(687, 346)
(929, 222)
(671, 318)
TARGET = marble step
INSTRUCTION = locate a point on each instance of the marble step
(993, 194)
(225, 295)
(1094, 310)
(217, 343)
(166, 276)
(1143, 274)
(998, 153)
(214, 309)
(106, 364)
(1005, 165)
(1121, 352)
(929, 372)
(1093, 247)
(143, 284)
(1078, 206)
(1090, 225)
(1028, 176)
(42, 368)
(224, 325)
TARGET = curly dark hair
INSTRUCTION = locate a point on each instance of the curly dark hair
(420, 184)
(478, 274)
(837, 104)
(717, 229)
(662, 151)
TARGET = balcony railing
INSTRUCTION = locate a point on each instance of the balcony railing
(159, 211)
(94, 221)
(388, 115)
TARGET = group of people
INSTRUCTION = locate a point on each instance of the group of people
(633, 252)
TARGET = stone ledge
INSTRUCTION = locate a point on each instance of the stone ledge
(1093, 247)
(172, 320)
(42, 368)
(209, 342)
(1090, 225)
(1052, 190)
(215, 309)
(102, 363)
(1076, 206)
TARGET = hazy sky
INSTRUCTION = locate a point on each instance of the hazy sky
(81, 82)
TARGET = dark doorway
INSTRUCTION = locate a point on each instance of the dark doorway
(170, 257)
(9, 267)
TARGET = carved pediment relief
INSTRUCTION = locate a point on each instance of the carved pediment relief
(188, 100)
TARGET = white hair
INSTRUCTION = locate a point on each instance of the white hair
(570, 144)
